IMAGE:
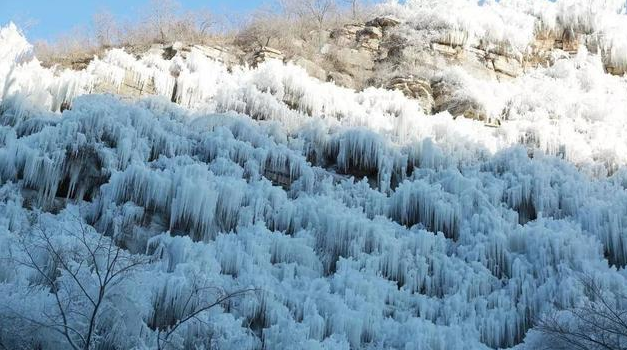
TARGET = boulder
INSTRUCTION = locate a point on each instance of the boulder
(615, 69)
(371, 44)
(383, 22)
(370, 33)
(466, 108)
(348, 30)
(353, 28)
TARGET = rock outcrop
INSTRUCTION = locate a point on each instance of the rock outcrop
(369, 38)
(383, 22)
(220, 54)
(266, 53)
(130, 88)
(396, 55)
(227, 55)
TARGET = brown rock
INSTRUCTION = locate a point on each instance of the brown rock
(383, 22)
(570, 41)
(445, 99)
(369, 33)
(616, 70)
(347, 34)
(341, 79)
(312, 69)
(132, 87)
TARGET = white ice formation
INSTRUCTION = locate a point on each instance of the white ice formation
(362, 222)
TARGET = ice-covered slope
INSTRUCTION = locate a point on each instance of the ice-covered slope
(360, 222)
(511, 26)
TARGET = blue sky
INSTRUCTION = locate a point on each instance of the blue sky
(47, 19)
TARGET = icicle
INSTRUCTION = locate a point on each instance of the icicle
(417, 202)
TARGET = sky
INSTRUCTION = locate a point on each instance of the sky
(48, 19)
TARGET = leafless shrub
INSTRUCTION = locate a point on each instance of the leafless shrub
(265, 28)
(106, 30)
(163, 22)
(68, 50)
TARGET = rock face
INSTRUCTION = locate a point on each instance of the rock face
(542, 52)
(266, 53)
(369, 38)
(341, 79)
(346, 35)
(353, 51)
(312, 68)
(219, 53)
(228, 56)
(417, 88)
(131, 87)
(355, 60)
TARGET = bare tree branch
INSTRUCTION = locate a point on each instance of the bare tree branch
(94, 263)
(599, 324)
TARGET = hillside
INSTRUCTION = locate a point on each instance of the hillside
(442, 176)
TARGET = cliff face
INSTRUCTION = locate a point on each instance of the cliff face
(412, 48)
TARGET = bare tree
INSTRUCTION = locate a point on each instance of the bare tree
(160, 16)
(354, 7)
(105, 28)
(359, 9)
(598, 324)
(169, 315)
(318, 11)
(310, 13)
(205, 22)
(80, 278)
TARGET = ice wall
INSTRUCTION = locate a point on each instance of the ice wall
(360, 222)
